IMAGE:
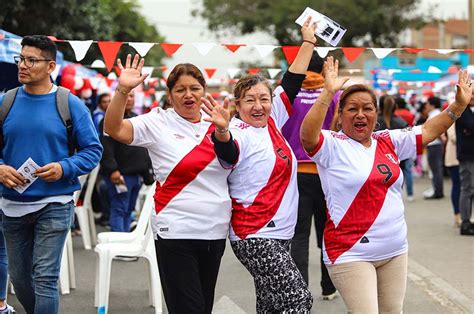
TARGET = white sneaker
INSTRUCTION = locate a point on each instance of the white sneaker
(410, 198)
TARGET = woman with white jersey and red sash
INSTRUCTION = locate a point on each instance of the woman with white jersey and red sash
(365, 238)
(263, 184)
(192, 203)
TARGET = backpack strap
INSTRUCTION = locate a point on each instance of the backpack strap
(7, 104)
(62, 104)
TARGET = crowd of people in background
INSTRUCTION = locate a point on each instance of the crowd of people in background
(305, 137)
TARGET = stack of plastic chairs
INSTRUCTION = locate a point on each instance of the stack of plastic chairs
(139, 243)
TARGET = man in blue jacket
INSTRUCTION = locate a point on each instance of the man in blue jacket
(37, 220)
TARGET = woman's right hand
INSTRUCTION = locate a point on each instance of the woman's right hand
(219, 115)
(332, 82)
(131, 75)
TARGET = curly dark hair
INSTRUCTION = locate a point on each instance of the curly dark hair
(44, 43)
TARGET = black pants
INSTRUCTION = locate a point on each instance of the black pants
(311, 203)
(188, 273)
(435, 161)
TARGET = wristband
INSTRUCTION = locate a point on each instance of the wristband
(222, 131)
(122, 90)
(452, 115)
(309, 41)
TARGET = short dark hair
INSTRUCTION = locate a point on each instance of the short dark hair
(355, 89)
(42, 42)
(316, 63)
(185, 69)
(401, 103)
(435, 101)
(102, 96)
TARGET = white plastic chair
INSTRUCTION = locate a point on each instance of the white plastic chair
(139, 243)
(67, 273)
(84, 213)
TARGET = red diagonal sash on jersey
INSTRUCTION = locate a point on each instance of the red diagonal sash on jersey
(366, 205)
(185, 171)
(248, 220)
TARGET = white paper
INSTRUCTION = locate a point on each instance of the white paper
(328, 30)
(27, 170)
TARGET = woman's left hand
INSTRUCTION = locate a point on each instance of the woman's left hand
(219, 115)
(464, 88)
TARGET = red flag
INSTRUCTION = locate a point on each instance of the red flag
(290, 53)
(233, 48)
(469, 50)
(253, 70)
(352, 53)
(414, 50)
(170, 49)
(117, 70)
(109, 50)
(210, 72)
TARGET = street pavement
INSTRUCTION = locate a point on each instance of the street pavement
(440, 271)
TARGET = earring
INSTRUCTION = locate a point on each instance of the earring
(377, 126)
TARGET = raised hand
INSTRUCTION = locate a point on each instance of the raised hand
(464, 88)
(219, 115)
(308, 31)
(131, 75)
(332, 82)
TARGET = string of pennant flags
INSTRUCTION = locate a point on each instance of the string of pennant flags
(110, 49)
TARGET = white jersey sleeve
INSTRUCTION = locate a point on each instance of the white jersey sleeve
(325, 149)
(147, 128)
(407, 142)
(281, 107)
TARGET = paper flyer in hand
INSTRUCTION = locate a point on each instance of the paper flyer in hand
(27, 170)
(328, 30)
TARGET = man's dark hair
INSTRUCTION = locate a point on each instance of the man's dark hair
(316, 63)
(42, 42)
(401, 103)
(435, 101)
(101, 96)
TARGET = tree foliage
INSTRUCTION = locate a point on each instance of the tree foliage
(375, 22)
(115, 20)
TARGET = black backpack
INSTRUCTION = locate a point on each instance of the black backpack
(62, 104)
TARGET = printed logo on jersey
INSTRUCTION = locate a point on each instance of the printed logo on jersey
(178, 136)
(242, 125)
(271, 224)
(392, 159)
(364, 240)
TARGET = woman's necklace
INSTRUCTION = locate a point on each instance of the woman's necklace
(197, 132)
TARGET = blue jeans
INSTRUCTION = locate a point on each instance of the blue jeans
(122, 204)
(435, 161)
(407, 166)
(35, 245)
(3, 265)
(456, 187)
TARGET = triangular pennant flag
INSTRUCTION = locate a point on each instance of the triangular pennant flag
(117, 70)
(112, 76)
(98, 64)
(381, 53)
(414, 50)
(55, 73)
(352, 53)
(233, 72)
(109, 51)
(170, 49)
(149, 71)
(469, 50)
(80, 48)
(53, 38)
(233, 48)
(210, 72)
(273, 72)
(204, 48)
(141, 48)
(264, 50)
(433, 69)
(444, 51)
(253, 70)
(323, 51)
(290, 53)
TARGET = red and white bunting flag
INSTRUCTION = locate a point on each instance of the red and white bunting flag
(55, 73)
(98, 64)
(414, 50)
(210, 72)
(170, 49)
(444, 51)
(80, 48)
(204, 48)
(264, 50)
(232, 48)
(433, 69)
(109, 51)
(323, 51)
(253, 70)
(352, 53)
(149, 71)
(141, 48)
(233, 72)
(273, 72)
(381, 53)
(290, 53)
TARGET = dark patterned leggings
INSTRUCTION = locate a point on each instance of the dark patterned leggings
(278, 282)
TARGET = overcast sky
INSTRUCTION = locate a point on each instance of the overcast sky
(173, 19)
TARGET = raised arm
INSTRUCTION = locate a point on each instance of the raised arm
(301, 62)
(130, 77)
(313, 121)
(434, 127)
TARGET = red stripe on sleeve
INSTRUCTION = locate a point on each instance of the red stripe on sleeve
(287, 103)
(318, 147)
(419, 144)
(185, 171)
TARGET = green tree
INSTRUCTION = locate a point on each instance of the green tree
(376, 22)
(116, 20)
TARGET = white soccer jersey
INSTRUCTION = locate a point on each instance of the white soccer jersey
(363, 189)
(263, 183)
(192, 199)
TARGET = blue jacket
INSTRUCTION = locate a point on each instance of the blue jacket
(33, 128)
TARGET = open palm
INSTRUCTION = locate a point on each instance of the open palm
(218, 114)
(464, 90)
(332, 82)
(131, 76)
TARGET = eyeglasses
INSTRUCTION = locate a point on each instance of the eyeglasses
(29, 62)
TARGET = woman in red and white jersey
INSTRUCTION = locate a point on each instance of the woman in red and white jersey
(192, 203)
(365, 238)
(263, 184)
